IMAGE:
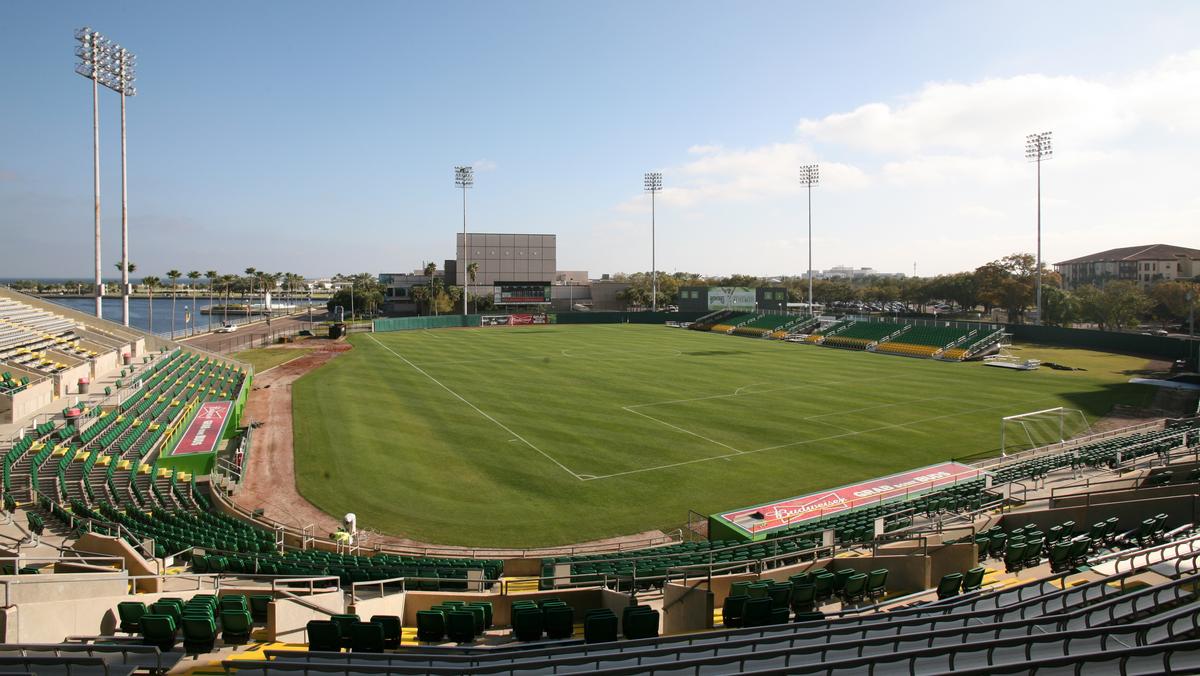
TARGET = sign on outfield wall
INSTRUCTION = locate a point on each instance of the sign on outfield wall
(205, 430)
(763, 518)
(731, 298)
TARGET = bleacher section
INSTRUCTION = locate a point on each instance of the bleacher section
(860, 335)
(768, 325)
(38, 340)
(923, 341)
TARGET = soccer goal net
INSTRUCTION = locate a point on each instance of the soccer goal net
(1036, 429)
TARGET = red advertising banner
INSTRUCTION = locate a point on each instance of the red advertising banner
(519, 320)
(205, 430)
(815, 505)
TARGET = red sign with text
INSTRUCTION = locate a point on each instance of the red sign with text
(815, 505)
(205, 430)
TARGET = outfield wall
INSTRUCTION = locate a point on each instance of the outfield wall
(455, 321)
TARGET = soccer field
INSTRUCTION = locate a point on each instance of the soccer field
(565, 433)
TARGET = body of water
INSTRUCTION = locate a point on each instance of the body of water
(139, 313)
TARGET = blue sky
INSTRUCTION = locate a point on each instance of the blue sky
(321, 137)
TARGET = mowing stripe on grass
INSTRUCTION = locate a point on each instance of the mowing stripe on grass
(501, 425)
(797, 443)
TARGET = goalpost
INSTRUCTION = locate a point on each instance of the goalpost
(1036, 429)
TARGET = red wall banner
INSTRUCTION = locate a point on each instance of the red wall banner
(815, 505)
(205, 430)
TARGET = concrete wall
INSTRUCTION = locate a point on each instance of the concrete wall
(686, 608)
(48, 608)
(287, 620)
(66, 382)
(135, 563)
(27, 401)
(392, 604)
(104, 363)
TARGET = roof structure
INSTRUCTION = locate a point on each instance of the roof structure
(1146, 252)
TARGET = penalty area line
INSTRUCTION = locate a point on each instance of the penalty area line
(458, 396)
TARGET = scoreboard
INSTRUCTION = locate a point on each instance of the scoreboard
(522, 293)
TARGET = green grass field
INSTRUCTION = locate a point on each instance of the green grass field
(559, 434)
(269, 357)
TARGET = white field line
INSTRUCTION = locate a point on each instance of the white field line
(811, 418)
(812, 441)
(680, 429)
(774, 389)
(305, 354)
(458, 396)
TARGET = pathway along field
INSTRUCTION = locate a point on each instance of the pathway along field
(550, 435)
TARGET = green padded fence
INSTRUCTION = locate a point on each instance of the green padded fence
(414, 323)
(450, 321)
(1110, 341)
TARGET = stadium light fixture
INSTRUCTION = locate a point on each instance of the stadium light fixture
(94, 52)
(653, 184)
(810, 175)
(1038, 148)
(108, 64)
(464, 177)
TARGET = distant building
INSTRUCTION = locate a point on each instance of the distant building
(1144, 264)
(504, 257)
(847, 272)
(397, 292)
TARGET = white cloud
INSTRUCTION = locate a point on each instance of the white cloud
(484, 165)
(939, 176)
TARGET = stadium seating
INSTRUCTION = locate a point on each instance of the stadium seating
(767, 325)
(860, 335)
(922, 341)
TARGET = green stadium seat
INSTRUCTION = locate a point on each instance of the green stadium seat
(199, 634)
(431, 626)
(731, 611)
(973, 579)
(130, 614)
(855, 588)
(366, 637)
(236, 626)
(600, 626)
(391, 629)
(949, 585)
(559, 622)
(159, 631)
(323, 636)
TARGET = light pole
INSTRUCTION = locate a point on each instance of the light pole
(810, 175)
(1038, 148)
(464, 177)
(94, 51)
(653, 184)
(1191, 299)
(124, 63)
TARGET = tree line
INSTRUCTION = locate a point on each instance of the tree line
(1008, 283)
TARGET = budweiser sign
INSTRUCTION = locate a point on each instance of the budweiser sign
(815, 505)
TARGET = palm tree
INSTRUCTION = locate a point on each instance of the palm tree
(472, 268)
(251, 273)
(212, 277)
(430, 272)
(120, 265)
(192, 277)
(174, 276)
(227, 281)
(150, 283)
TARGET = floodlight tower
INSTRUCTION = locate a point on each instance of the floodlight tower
(123, 64)
(653, 184)
(1038, 148)
(810, 175)
(464, 177)
(95, 54)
